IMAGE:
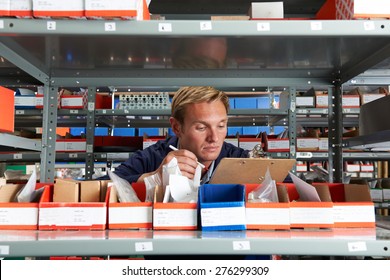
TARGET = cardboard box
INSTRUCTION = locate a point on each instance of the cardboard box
(267, 215)
(17, 215)
(54, 9)
(173, 215)
(16, 8)
(70, 215)
(130, 215)
(222, 207)
(7, 109)
(89, 191)
(66, 190)
(310, 214)
(352, 206)
(131, 9)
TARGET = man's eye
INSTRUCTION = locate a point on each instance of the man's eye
(201, 128)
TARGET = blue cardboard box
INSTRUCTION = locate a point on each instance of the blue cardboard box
(222, 207)
(245, 103)
(124, 131)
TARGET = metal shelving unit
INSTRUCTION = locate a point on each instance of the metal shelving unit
(295, 54)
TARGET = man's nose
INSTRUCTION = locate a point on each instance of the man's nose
(213, 135)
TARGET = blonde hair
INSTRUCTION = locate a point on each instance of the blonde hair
(195, 94)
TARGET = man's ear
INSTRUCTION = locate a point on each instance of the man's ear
(175, 125)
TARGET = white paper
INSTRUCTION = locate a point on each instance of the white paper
(181, 190)
(125, 191)
(305, 190)
(28, 189)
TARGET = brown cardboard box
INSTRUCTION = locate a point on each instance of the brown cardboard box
(66, 190)
(90, 191)
(8, 192)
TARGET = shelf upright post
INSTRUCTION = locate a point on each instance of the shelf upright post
(90, 134)
(49, 125)
(292, 124)
(335, 133)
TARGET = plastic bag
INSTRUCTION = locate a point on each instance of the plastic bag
(125, 191)
(266, 192)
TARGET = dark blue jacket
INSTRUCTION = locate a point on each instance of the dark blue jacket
(149, 159)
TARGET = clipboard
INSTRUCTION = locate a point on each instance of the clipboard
(250, 170)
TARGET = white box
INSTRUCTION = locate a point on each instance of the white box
(260, 10)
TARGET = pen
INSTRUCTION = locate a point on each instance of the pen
(176, 149)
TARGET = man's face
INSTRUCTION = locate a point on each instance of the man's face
(204, 130)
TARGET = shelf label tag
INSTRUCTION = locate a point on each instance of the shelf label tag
(110, 26)
(4, 250)
(19, 112)
(369, 25)
(316, 25)
(263, 26)
(18, 156)
(357, 246)
(51, 25)
(241, 246)
(165, 27)
(74, 111)
(143, 246)
(91, 106)
(73, 155)
(1, 24)
(206, 25)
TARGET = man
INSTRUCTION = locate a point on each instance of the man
(199, 120)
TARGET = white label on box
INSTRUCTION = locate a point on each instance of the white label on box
(20, 5)
(72, 216)
(267, 216)
(25, 101)
(143, 246)
(307, 143)
(110, 5)
(322, 100)
(69, 5)
(4, 250)
(241, 245)
(249, 145)
(18, 215)
(39, 101)
(357, 246)
(71, 146)
(350, 101)
(354, 214)
(323, 144)
(148, 143)
(174, 217)
(223, 216)
(305, 101)
(301, 168)
(366, 98)
(311, 215)
(278, 145)
(367, 168)
(352, 167)
(232, 141)
(72, 101)
(130, 215)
